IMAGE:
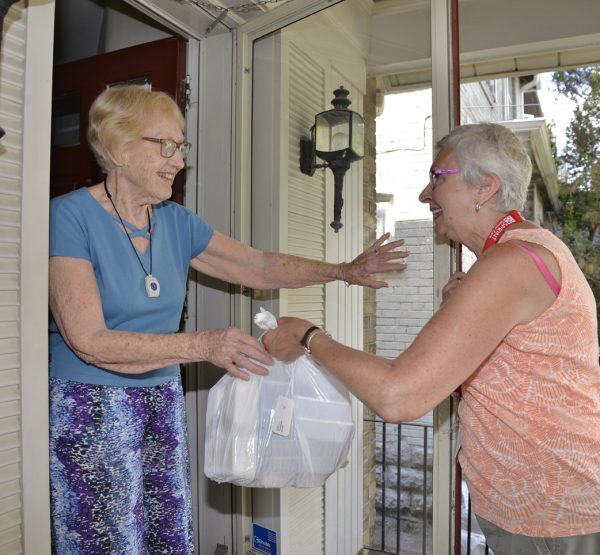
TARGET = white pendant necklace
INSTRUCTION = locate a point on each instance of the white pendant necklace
(151, 283)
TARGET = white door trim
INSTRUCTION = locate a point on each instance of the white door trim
(442, 117)
(34, 271)
(242, 225)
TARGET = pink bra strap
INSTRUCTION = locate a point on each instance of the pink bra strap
(554, 285)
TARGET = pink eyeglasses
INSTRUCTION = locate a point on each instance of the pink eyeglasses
(434, 174)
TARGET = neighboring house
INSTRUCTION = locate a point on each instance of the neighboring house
(243, 178)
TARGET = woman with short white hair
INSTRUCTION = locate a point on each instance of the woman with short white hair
(519, 333)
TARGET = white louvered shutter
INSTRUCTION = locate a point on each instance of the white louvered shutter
(11, 110)
(306, 194)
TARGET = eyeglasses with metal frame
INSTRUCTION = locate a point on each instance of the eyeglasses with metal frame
(168, 147)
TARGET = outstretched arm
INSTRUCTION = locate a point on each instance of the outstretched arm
(232, 261)
(76, 308)
(500, 291)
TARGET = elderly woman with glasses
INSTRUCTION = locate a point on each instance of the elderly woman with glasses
(120, 254)
(518, 332)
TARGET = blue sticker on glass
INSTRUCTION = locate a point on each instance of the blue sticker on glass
(264, 540)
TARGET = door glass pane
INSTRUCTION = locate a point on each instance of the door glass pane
(294, 75)
(404, 453)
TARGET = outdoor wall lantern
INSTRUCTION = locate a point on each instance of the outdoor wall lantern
(338, 137)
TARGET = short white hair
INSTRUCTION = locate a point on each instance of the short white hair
(484, 148)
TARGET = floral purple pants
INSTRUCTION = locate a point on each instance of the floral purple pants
(119, 470)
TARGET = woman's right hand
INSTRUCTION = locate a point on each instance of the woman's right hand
(236, 352)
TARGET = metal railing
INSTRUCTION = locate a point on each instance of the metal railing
(469, 537)
(468, 549)
(403, 508)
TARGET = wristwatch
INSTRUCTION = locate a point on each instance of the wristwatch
(307, 337)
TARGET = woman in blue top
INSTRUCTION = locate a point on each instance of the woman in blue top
(120, 254)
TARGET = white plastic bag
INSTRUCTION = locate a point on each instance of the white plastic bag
(291, 428)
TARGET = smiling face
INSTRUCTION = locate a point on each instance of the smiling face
(148, 174)
(450, 200)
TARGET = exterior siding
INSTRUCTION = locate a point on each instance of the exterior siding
(12, 82)
(305, 215)
(305, 194)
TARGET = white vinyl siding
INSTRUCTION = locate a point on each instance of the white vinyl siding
(25, 81)
(305, 217)
(11, 119)
(305, 194)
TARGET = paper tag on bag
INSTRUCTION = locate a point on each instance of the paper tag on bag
(282, 420)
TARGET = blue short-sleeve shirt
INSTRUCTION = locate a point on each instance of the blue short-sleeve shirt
(81, 228)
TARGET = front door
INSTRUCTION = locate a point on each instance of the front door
(160, 65)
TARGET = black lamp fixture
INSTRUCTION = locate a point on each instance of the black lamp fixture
(338, 137)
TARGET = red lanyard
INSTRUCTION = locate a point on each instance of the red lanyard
(513, 217)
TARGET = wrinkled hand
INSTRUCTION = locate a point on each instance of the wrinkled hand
(284, 341)
(378, 258)
(236, 352)
(452, 284)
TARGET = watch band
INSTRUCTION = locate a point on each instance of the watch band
(307, 334)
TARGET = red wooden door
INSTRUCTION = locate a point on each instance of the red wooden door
(159, 64)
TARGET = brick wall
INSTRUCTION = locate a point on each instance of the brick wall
(407, 304)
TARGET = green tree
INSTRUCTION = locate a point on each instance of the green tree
(579, 218)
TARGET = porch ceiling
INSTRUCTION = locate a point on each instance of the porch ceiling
(511, 37)
(496, 39)
(481, 68)
(201, 18)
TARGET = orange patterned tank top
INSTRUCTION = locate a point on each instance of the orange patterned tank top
(530, 415)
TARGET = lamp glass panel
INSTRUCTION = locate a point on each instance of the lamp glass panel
(332, 131)
(358, 135)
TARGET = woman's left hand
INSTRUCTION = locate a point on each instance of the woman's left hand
(378, 258)
(454, 281)
(284, 341)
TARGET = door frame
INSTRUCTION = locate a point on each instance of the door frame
(245, 35)
(445, 425)
(442, 110)
(39, 51)
(34, 271)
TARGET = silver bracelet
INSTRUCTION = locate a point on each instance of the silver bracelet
(343, 266)
(307, 349)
